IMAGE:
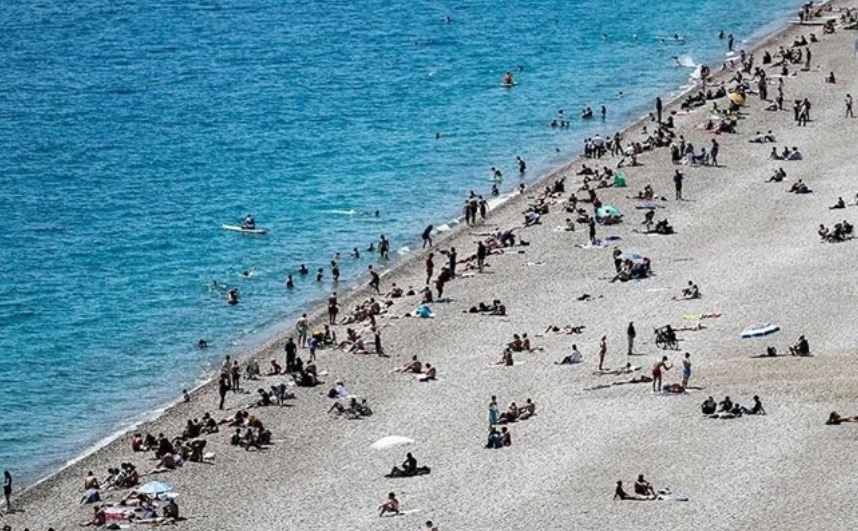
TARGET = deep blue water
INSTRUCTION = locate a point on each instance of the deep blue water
(130, 131)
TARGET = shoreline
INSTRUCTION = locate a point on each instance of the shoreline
(400, 268)
(272, 337)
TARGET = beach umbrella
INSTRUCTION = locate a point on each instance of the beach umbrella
(759, 330)
(607, 210)
(155, 488)
(737, 98)
(391, 441)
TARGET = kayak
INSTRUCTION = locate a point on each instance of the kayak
(239, 228)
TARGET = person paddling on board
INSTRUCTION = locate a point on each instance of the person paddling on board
(249, 222)
(508, 81)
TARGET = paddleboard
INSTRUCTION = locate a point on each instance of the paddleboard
(508, 85)
(239, 228)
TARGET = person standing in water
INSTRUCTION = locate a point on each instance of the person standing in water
(522, 166)
(290, 284)
(730, 42)
(383, 247)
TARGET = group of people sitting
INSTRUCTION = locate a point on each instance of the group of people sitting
(495, 308)
(786, 154)
(840, 233)
(426, 373)
(633, 270)
(727, 409)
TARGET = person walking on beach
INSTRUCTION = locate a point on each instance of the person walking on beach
(603, 350)
(451, 254)
(222, 388)
(677, 184)
(849, 107)
(374, 281)
(301, 326)
(630, 334)
(235, 374)
(378, 348)
(484, 207)
(430, 267)
(657, 370)
(686, 370)
(591, 224)
(333, 308)
(291, 354)
(713, 153)
(658, 108)
(481, 256)
(427, 236)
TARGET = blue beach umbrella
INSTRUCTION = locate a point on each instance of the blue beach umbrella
(154, 488)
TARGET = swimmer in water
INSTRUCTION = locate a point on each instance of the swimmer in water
(303, 269)
(320, 274)
(495, 191)
(355, 253)
(290, 284)
(620, 94)
(604, 112)
(371, 248)
(508, 81)
(232, 297)
(202, 343)
(497, 176)
(378, 213)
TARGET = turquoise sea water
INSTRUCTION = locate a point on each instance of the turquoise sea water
(130, 131)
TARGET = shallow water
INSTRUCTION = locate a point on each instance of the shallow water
(131, 132)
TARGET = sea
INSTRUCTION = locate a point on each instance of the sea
(131, 131)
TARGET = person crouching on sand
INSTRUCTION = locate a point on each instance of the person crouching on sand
(390, 506)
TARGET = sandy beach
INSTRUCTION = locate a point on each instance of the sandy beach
(750, 246)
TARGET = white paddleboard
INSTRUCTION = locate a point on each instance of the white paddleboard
(239, 228)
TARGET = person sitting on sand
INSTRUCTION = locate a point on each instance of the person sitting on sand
(643, 487)
(527, 411)
(830, 78)
(726, 405)
(494, 440)
(801, 347)
(166, 464)
(90, 481)
(621, 494)
(99, 518)
(795, 154)
(510, 415)
(571, 359)
(264, 399)
(625, 272)
(838, 205)
(691, 291)
(412, 366)
(390, 506)
(505, 437)
(408, 469)
(430, 375)
(709, 407)
(778, 176)
(275, 368)
(756, 409)
(506, 358)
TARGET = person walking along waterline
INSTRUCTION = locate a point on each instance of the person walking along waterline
(686, 370)
(849, 107)
(677, 184)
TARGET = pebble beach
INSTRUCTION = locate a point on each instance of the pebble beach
(751, 247)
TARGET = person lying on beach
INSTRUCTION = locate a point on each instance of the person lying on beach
(620, 494)
(628, 368)
(565, 329)
(391, 506)
(838, 205)
(166, 464)
(571, 359)
(835, 419)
